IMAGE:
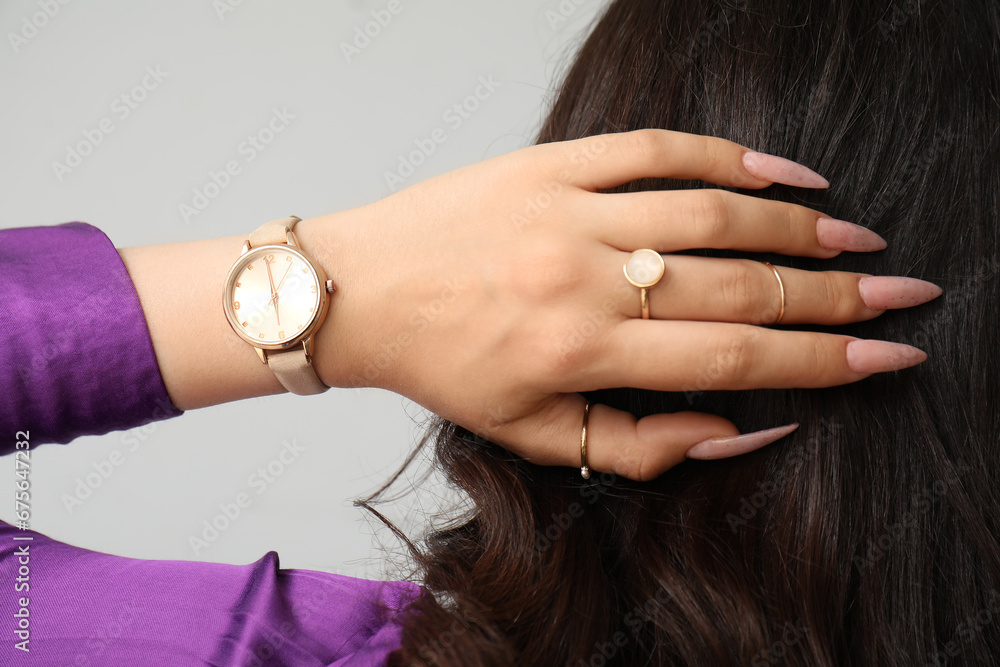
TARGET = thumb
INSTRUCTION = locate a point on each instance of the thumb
(617, 442)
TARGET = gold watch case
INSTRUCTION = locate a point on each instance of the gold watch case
(248, 316)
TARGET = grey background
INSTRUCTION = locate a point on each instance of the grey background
(224, 72)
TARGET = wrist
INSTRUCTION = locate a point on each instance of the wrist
(335, 242)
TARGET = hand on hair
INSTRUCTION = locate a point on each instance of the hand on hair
(494, 294)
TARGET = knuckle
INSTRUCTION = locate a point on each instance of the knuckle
(735, 357)
(564, 358)
(715, 155)
(710, 215)
(631, 459)
(801, 223)
(846, 299)
(641, 146)
(542, 272)
(838, 305)
(741, 291)
(823, 362)
(567, 349)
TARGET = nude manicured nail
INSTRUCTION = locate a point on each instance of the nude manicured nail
(841, 235)
(879, 356)
(721, 448)
(887, 292)
(779, 170)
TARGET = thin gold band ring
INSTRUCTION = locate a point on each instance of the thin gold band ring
(781, 288)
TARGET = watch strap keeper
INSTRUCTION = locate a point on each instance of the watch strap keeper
(294, 371)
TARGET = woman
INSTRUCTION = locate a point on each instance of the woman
(870, 534)
(484, 364)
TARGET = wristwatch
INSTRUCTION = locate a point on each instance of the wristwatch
(275, 298)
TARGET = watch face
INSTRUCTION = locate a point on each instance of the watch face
(273, 296)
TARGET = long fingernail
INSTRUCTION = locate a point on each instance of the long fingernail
(841, 235)
(887, 292)
(878, 356)
(721, 448)
(779, 170)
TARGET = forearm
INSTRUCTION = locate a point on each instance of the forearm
(180, 286)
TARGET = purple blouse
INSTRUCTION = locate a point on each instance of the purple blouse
(76, 359)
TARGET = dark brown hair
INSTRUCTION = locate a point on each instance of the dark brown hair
(868, 536)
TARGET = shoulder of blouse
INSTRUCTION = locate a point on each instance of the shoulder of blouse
(86, 607)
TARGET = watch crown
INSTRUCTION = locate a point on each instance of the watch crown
(330, 287)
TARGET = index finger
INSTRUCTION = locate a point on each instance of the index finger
(607, 160)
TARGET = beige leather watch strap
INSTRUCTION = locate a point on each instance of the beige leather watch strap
(274, 232)
(292, 367)
(294, 371)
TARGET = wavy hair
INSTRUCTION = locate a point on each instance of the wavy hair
(869, 535)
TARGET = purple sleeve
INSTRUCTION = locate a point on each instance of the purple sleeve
(75, 352)
(73, 606)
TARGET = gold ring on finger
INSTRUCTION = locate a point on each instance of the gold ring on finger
(781, 290)
(644, 268)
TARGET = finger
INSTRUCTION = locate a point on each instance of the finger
(607, 160)
(671, 221)
(618, 443)
(743, 290)
(706, 356)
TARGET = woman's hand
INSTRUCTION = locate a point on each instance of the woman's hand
(492, 295)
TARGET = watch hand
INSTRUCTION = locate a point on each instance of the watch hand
(282, 281)
(278, 289)
(274, 292)
(270, 277)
